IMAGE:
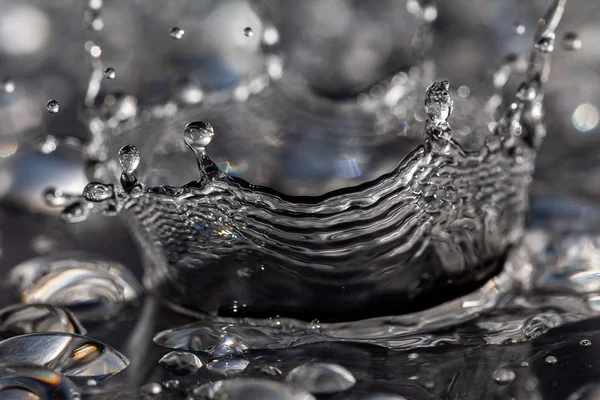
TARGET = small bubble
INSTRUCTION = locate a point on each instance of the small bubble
(248, 32)
(52, 106)
(519, 27)
(176, 33)
(586, 343)
(180, 363)
(110, 73)
(8, 86)
(504, 376)
(571, 41)
(551, 360)
(97, 192)
(198, 135)
(129, 158)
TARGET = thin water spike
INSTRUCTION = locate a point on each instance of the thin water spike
(129, 158)
(438, 106)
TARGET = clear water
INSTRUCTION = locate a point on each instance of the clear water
(432, 253)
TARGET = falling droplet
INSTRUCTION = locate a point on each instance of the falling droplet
(110, 73)
(8, 85)
(188, 91)
(26, 382)
(180, 363)
(151, 389)
(228, 366)
(129, 158)
(176, 33)
(248, 32)
(504, 376)
(35, 318)
(321, 378)
(71, 355)
(250, 389)
(52, 106)
(98, 287)
(519, 27)
(585, 343)
(198, 135)
(271, 370)
(97, 192)
(551, 360)
(47, 144)
(572, 41)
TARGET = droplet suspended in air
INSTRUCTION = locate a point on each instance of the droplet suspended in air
(321, 378)
(248, 32)
(180, 363)
(36, 318)
(71, 355)
(96, 286)
(198, 135)
(8, 85)
(250, 389)
(52, 106)
(504, 376)
(572, 41)
(110, 73)
(176, 33)
(129, 158)
(519, 27)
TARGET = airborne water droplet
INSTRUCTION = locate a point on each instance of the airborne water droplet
(504, 376)
(250, 389)
(572, 41)
(35, 318)
(519, 27)
(71, 355)
(321, 378)
(52, 106)
(176, 33)
(129, 158)
(110, 73)
(180, 363)
(248, 32)
(551, 360)
(198, 135)
(8, 85)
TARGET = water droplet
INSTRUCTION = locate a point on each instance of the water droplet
(228, 366)
(248, 32)
(52, 106)
(321, 378)
(176, 33)
(151, 389)
(250, 389)
(71, 355)
(7, 86)
(585, 343)
(26, 382)
(413, 356)
(551, 360)
(519, 27)
(572, 41)
(110, 73)
(98, 287)
(198, 135)
(97, 192)
(129, 158)
(271, 370)
(48, 144)
(438, 104)
(180, 363)
(504, 376)
(35, 318)
(75, 212)
(188, 91)
(524, 364)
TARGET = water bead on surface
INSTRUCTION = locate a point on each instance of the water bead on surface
(551, 360)
(35, 318)
(250, 389)
(321, 378)
(52, 106)
(129, 158)
(572, 41)
(248, 32)
(71, 355)
(229, 365)
(180, 363)
(198, 135)
(176, 33)
(110, 73)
